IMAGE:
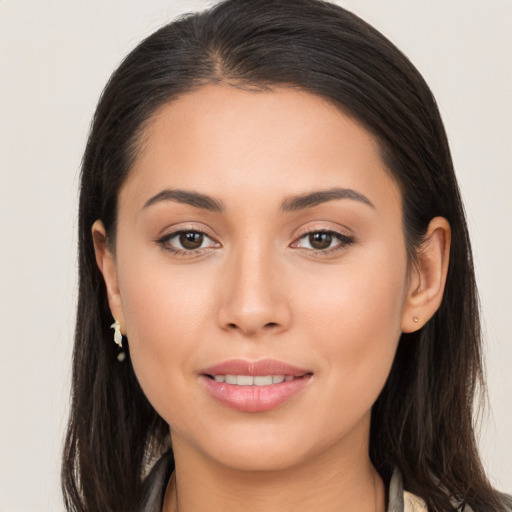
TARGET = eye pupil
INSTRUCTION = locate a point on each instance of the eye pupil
(191, 239)
(320, 240)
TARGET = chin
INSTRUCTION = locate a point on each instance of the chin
(259, 459)
(240, 447)
(267, 447)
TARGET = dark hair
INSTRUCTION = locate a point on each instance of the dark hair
(422, 423)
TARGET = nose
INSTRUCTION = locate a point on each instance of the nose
(254, 296)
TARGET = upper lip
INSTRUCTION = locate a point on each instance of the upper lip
(255, 368)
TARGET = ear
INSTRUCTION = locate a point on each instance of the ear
(106, 263)
(428, 276)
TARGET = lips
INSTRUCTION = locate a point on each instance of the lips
(254, 386)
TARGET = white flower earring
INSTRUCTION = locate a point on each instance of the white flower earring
(118, 340)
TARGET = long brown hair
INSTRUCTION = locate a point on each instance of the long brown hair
(422, 423)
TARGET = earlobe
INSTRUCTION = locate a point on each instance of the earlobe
(428, 276)
(106, 263)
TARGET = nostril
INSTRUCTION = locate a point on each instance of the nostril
(271, 324)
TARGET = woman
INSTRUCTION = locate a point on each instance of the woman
(270, 224)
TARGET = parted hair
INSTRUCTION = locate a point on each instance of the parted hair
(423, 421)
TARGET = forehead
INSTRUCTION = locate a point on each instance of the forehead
(225, 141)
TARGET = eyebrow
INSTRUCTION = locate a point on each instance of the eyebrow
(182, 196)
(291, 204)
(301, 202)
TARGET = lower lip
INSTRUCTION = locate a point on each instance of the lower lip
(255, 398)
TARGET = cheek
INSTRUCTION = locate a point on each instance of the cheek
(165, 309)
(355, 317)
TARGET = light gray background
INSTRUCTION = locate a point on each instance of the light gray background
(56, 56)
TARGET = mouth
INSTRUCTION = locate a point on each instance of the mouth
(254, 386)
(252, 380)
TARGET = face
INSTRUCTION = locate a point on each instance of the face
(259, 239)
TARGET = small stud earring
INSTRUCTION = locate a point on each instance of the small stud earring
(415, 319)
(118, 340)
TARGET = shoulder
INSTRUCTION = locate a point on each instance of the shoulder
(403, 501)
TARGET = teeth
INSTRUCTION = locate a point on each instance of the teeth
(249, 380)
(263, 381)
(244, 380)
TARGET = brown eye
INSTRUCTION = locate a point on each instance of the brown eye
(323, 242)
(320, 240)
(187, 242)
(191, 240)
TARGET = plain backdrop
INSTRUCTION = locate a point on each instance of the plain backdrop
(55, 58)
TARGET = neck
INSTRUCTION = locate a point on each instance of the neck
(326, 483)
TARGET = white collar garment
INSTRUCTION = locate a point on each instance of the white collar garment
(413, 504)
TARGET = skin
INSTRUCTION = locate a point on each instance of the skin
(257, 288)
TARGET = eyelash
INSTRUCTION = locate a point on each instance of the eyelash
(164, 242)
(343, 242)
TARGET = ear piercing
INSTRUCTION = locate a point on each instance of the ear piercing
(415, 319)
(118, 340)
(118, 337)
